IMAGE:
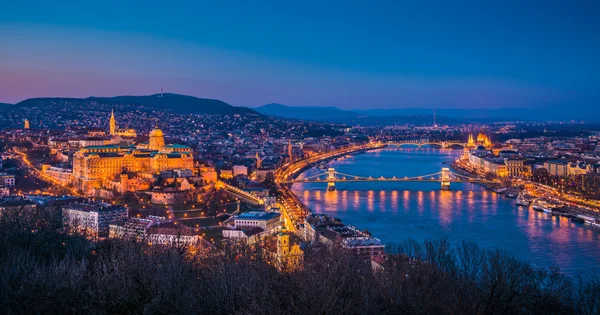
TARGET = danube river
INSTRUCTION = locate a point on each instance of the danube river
(394, 212)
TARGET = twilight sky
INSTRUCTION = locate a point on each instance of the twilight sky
(350, 54)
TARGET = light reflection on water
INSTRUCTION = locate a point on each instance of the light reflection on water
(396, 211)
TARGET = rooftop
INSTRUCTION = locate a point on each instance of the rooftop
(89, 207)
(258, 215)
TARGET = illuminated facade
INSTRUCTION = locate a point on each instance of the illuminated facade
(93, 166)
(472, 143)
(26, 124)
(115, 131)
(289, 257)
(484, 140)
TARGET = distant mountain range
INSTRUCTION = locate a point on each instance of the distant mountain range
(167, 101)
(194, 105)
(418, 115)
(306, 112)
(366, 117)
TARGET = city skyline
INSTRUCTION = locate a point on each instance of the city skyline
(308, 157)
(351, 56)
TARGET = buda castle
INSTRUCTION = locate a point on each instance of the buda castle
(96, 166)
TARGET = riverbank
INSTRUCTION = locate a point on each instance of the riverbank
(570, 210)
(396, 211)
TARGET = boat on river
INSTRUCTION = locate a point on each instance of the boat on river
(545, 205)
(522, 201)
(541, 205)
(500, 190)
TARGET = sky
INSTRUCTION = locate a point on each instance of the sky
(349, 54)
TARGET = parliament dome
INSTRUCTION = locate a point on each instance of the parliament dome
(482, 137)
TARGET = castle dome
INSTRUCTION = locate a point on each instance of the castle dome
(156, 133)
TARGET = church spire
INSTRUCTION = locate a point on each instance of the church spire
(112, 123)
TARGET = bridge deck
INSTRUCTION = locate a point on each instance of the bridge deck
(385, 180)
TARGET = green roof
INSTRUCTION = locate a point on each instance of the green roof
(177, 146)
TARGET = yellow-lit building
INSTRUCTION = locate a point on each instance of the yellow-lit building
(484, 140)
(472, 143)
(93, 166)
(26, 124)
(289, 257)
(115, 131)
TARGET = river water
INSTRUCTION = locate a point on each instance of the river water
(394, 212)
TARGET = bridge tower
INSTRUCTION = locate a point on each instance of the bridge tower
(445, 178)
(331, 179)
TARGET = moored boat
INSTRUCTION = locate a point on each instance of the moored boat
(522, 201)
(538, 205)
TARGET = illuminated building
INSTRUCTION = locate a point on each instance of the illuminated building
(26, 124)
(484, 140)
(290, 151)
(267, 221)
(209, 175)
(579, 168)
(556, 167)
(258, 161)
(157, 140)
(239, 170)
(226, 174)
(289, 257)
(63, 176)
(471, 142)
(175, 190)
(115, 131)
(486, 162)
(94, 166)
(515, 167)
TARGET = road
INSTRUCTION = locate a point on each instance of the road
(35, 172)
(292, 209)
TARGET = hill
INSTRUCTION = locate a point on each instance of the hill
(306, 112)
(181, 103)
(175, 102)
(5, 105)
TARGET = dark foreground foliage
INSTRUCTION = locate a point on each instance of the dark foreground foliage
(43, 271)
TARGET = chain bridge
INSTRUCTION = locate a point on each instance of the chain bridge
(444, 177)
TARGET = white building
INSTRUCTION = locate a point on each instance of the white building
(155, 231)
(248, 235)
(268, 221)
(183, 172)
(93, 218)
(171, 233)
